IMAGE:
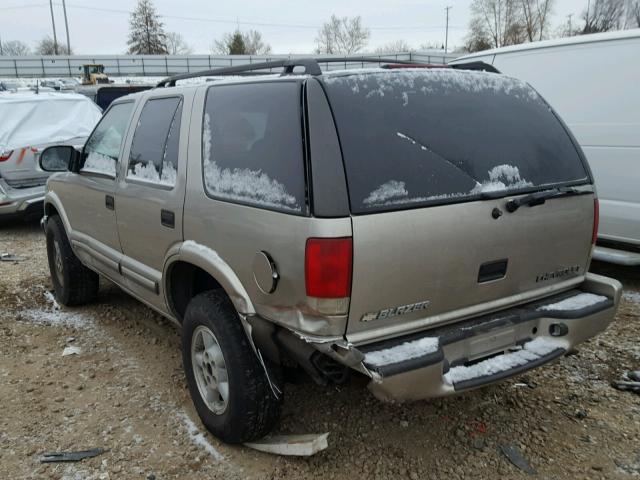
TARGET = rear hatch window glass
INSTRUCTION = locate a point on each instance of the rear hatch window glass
(424, 137)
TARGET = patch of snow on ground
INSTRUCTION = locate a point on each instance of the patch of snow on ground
(55, 316)
(531, 351)
(243, 184)
(576, 302)
(197, 437)
(404, 351)
(633, 297)
(99, 163)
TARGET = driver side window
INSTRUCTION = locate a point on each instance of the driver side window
(102, 149)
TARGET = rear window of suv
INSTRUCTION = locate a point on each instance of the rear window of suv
(252, 149)
(416, 138)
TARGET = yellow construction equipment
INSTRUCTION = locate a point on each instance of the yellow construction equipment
(92, 74)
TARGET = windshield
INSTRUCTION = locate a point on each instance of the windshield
(414, 138)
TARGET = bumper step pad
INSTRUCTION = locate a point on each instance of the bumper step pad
(532, 354)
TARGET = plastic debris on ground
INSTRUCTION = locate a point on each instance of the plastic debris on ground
(297, 445)
(630, 382)
(71, 456)
(10, 257)
(71, 350)
(515, 457)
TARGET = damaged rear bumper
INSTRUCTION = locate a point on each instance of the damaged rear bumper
(483, 350)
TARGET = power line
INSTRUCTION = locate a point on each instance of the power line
(238, 22)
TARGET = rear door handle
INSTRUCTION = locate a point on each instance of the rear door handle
(167, 218)
(109, 202)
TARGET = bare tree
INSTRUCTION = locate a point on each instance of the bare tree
(497, 22)
(241, 43)
(254, 43)
(15, 48)
(535, 18)
(47, 46)
(603, 15)
(342, 35)
(633, 13)
(176, 44)
(394, 47)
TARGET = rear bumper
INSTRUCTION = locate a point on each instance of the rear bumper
(613, 255)
(483, 350)
(19, 202)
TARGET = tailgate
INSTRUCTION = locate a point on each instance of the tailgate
(422, 267)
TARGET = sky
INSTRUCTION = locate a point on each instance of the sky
(289, 26)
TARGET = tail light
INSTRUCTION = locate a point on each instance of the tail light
(327, 267)
(596, 220)
(5, 155)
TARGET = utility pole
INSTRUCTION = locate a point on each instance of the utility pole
(446, 34)
(53, 22)
(66, 26)
(570, 30)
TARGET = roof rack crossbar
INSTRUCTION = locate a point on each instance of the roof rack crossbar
(311, 67)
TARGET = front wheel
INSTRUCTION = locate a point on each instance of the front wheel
(74, 284)
(228, 385)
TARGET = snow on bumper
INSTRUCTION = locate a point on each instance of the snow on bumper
(483, 350)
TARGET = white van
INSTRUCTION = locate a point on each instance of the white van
(593, 82)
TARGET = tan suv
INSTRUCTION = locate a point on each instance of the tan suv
(428, 228)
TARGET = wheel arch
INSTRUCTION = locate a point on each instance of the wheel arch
(53, 206)
(192, 268)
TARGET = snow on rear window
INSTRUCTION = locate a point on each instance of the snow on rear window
(394, 192)
(441, 135)
(252, 147)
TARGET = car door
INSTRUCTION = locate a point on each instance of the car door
(150, 194)
(89, 198)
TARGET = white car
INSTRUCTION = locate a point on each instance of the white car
(592, 82)
(30, 122)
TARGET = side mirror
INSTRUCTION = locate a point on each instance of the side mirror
(58, 158)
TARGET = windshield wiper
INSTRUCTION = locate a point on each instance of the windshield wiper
(538, 198)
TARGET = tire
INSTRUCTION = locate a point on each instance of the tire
(74, 284)
(250, 410)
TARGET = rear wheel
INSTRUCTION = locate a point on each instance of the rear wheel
(228, 385)
(74, 284)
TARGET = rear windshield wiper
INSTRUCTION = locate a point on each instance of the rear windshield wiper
(538, 198)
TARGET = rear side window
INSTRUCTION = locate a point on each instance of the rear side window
(252, 145)
(416, 138)
(154, 150)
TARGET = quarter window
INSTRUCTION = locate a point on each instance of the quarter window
(252, 145)
(103, 146)
(154, 150)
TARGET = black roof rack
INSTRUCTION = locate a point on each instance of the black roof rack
(311, 67)
(480, 66)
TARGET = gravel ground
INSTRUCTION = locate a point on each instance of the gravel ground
(125, 391)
